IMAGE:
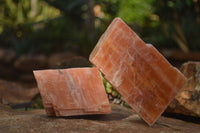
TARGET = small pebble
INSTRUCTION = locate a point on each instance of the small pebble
(116, 101)
(110, 97)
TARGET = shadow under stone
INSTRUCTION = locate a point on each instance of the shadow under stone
(183, 117)
(118, 113)
(101, 117)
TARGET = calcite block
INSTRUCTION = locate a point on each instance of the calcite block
(145, 79)
(75, 91)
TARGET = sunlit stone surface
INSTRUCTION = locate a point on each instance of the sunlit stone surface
(145, 79)
(76, 91)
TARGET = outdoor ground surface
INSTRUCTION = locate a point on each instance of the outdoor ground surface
(120, 120)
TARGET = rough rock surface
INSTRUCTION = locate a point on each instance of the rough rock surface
(74, 62)
(120, 120)
(19, 68)
(187, 102)
(13, 93)
(7, 56)
(59, 57)
(29, 63)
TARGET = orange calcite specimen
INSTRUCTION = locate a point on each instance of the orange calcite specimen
(76, 91)
(145, 79)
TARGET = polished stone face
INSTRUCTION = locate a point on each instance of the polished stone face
(145, 79)
(75, 91)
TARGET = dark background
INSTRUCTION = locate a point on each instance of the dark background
(49, 26)
(40, 34)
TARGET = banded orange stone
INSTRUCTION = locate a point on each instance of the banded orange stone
(75, 91)
(144, 78)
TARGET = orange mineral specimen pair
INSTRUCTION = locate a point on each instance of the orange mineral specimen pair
(143, 77)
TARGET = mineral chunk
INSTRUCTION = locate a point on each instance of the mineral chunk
(75, 91)
(187, 102)
(145, 79)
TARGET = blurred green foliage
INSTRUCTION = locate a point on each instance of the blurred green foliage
(136, 11)
(21, 21)
(180, 22)
(43, 26)
(48, 26)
